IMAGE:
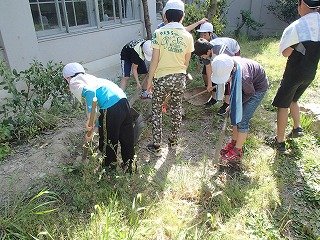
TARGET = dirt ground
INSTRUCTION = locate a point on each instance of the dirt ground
(41, 157)
(47, 154)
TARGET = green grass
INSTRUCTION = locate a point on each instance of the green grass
(273, 197)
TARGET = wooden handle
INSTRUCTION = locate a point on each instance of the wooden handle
(89, 133)
(196, 95)
(92, 116)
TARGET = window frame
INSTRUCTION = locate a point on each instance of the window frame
(93, 16)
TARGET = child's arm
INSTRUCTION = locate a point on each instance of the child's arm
(196, 24)
(153, 67)
(208, 74)
(287, 52)
(89, 95)
(187, 59)
(135, 74)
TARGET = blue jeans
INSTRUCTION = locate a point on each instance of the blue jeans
(248, 109)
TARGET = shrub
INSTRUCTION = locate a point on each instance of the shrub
(285, 10)
(23, 113)
(247, 20)
(197, 10)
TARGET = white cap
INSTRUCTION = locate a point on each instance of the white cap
(173, 4)
(147, 50)
(222, 66)
(206, 27)
(71, 69)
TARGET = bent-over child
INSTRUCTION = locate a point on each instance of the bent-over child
(115, 121)
(249, 84)
(133, 57)
(232, 48)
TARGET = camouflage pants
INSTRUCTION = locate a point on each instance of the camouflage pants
(174, 86)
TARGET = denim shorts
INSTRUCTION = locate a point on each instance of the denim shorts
(248, 109)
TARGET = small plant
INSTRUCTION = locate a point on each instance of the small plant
(247, 20)
(4, 150)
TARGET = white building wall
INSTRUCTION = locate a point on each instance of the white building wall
(259, 12)
(17, 32)
(89, 46)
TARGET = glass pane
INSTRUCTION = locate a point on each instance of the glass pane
(49, 15)
(77, 13)
(106, 10)
(36, 17)
(81, 13)
(63, 22)
(71, 18)
(127, 9)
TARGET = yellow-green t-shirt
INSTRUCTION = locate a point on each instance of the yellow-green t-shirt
(174, 43)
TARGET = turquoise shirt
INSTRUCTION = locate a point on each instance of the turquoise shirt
(107, 95)
(88, 86)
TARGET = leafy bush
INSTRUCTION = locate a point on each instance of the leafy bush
(247, 20)
(285, 10)
(23, 113)
(197, 10)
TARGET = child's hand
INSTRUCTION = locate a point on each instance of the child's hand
(150, 88)
(88, 128)
(139, 86)
(88, 138)
(203, 20)
(210, 88)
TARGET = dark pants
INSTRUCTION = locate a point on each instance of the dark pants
(116, 123)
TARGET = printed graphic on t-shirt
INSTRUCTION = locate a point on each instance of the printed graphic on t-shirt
(171, 41)
(133, 43)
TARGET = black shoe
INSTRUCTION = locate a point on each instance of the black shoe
(279, 146)
(128, 167)
(156, 150)
(296, 132)
(210, 102)
(223, 109)
(172, 143)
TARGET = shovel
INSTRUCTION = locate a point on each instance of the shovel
(89, 133)
(196, 95)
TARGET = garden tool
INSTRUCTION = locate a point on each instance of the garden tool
(197, 96)
(92, 117)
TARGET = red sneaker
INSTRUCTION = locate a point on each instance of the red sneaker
(234, 154)
(227, 147)
(164, 107)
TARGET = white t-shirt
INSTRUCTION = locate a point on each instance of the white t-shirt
(231, 44)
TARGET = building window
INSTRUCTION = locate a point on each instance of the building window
(78, 12)
(60, 16)
(118, 10)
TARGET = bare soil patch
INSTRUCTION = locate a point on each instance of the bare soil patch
(40, 158)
